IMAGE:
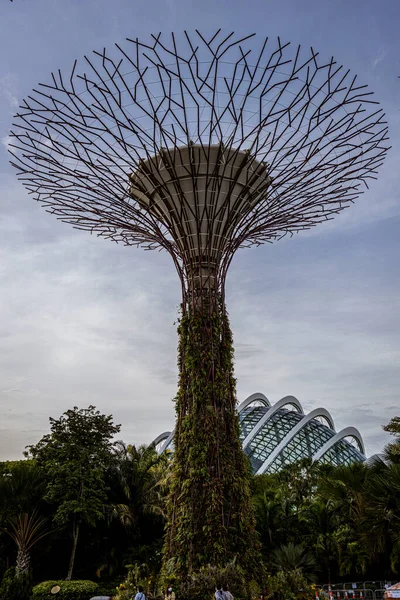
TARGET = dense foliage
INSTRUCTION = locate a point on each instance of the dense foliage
(16, 586)
(347, 520)
(314, 523)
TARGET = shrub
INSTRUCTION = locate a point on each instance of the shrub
(69, 590)
(290, 585)
(201, 585)
(15, 587)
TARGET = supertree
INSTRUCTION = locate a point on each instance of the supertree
(200, 146)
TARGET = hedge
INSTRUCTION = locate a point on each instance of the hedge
(69, 590)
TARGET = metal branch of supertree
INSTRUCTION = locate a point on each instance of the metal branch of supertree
(199, 146)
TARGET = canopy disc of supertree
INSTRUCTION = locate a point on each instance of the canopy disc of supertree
(201, 146)
(238, 107)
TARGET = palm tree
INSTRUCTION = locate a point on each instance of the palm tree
(381, 521)
(26, 531)
(274, 516)
(142, 476)
(344, 486)
(321, 523)
(21, 490)
(353, 552)
(294, 557)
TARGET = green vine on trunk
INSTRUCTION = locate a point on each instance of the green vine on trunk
(210, 515)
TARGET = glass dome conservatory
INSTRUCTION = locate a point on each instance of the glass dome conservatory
(278, 435)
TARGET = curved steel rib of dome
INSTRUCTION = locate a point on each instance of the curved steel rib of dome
(274, 436)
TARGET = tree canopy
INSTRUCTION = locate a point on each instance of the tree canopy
(75, 456)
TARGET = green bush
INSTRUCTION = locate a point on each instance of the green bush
(69, 590)
(201, 584)
(15, 587)
(290, 585)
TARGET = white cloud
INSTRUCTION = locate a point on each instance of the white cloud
(380, 56)
(6, 142)
(8, 87)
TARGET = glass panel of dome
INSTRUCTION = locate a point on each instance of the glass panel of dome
(250, 418)
(342, 453)
(303, 445)
(270, 435)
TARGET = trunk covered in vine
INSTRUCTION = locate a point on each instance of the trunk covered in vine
(210, 517)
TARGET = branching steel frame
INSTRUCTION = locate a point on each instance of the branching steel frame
(305, 122)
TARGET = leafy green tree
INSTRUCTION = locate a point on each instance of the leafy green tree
(392, 450)
(75, 457)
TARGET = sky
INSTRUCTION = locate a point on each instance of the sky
(84, 321)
